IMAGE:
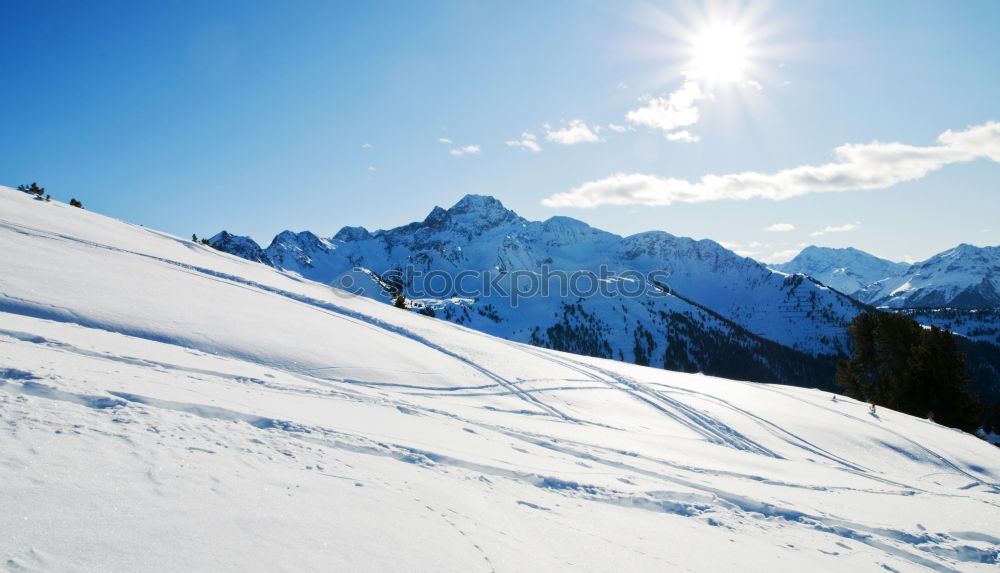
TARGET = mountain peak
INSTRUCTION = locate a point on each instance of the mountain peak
(964, 250)
(222, 235)
(472, 202)
(846, 269)
(285, 236)
(243, 247)
(352, 234)
(478, 211)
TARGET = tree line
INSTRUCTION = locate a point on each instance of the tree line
(37, 191)
(899, 364)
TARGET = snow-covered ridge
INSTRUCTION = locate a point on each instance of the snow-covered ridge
(847, 270)
(966, 277)
(248, 419)
(243, 247)
(723, 297)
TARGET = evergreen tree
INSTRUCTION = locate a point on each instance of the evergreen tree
(941, 385)
(898, 364)
(34, 189)
(75, 203)
(400, 301)
(194, 238)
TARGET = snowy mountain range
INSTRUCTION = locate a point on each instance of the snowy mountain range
(166, 406)
(957, 290)
(711, 310)
(705, 309)
(847, 270)
(965, 277)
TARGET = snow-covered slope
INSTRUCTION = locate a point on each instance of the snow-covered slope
(724, 314)
(165, 406)
(965, 277)
(847, 270)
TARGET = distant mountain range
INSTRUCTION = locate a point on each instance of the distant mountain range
(709, 310)
(847, 270)
(965, 277)
(958, 290)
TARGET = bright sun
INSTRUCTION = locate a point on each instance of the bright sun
(720, 53)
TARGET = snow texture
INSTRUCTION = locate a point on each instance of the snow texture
(165, 406)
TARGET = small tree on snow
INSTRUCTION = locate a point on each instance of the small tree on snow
(33, 189)
(400, 301)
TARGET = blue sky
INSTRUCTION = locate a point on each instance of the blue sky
(255, 117)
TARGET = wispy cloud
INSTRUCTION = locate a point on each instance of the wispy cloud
(751, 249)
(782, 256)
(835, 229)
(683, 136)
(779, 227)
(460, 150)
(528, 141)
(575, 132)
(676, 110)
(617, 128)
(366, 146)
(473, 149)
(873, 165)
(371, 168)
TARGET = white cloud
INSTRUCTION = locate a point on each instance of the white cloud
(684, 136)
(835, 229)
(575, 132)
(616, 127)
(678, 109)
(371, 168)
(779, 227)
(782, 256)
(445, 140)
(473, 149)
(753, 84)
(366, 146)
(873, 165)
(744, 249)
(528, 141)
(622, 85)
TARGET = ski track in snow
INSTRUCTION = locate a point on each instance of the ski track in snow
(711, 500)
(561, 450)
